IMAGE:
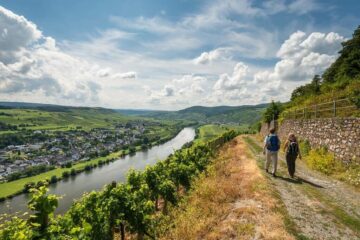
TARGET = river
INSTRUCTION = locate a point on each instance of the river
(74, 187)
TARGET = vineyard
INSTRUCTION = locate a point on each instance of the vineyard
(133, 208)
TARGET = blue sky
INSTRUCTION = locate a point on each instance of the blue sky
(167, 54)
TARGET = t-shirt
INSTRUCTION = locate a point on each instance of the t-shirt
(267, 140)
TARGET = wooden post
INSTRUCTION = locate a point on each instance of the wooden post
(303, 113)
(334, 108)
(315, 110)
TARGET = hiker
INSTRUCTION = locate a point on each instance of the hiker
(292, 150)
(271, 148)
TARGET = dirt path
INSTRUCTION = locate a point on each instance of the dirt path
(232, 201)
(320, 207)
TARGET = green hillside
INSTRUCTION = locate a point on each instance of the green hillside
(58, 118)
(221, 114)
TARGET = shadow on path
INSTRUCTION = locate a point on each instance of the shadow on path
(310, 183)
(298, 180)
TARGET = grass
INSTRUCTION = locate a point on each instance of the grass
(207, 132)
(334, 209)
(321, 160)
(224, 202)
(210, 131)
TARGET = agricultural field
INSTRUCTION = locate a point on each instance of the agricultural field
(61, 119)
(210, 131)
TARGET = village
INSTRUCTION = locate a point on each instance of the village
(65, 148)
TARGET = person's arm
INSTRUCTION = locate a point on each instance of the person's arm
(265, 144)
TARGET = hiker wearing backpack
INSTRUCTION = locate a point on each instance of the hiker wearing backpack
(292, 151)
(271, 148)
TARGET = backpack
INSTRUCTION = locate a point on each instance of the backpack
(293, 149)
(273, 143)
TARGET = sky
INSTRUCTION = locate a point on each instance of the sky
(167, 55)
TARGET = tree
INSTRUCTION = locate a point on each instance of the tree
(312, 88)
(272, 112)
(347, 66)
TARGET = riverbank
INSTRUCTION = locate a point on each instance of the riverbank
(14, 188)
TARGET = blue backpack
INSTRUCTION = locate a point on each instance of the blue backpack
(273, 143)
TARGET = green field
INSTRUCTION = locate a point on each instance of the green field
(68, 118)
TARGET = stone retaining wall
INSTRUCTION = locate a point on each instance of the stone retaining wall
(340, 135)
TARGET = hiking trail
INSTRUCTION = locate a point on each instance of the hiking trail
(320, 207)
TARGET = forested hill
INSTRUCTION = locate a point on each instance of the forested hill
(247, 114)
(52, 107)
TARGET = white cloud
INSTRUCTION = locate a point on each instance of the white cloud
(127, 75)
(208, 57)
(16, 31)
(303, 56)
(33, 67)
(235, 81)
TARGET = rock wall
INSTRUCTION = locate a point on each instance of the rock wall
(340, 135)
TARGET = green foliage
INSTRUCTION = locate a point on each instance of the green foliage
(42, 205)
(305, 147)
(347, 66)
(309, 89)
(53, 179)
(272, 112)
(130, 204)
(355, 97)
(16, 229)
(65, 174)
(323, 161)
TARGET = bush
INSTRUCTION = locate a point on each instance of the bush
(132, 149)
(28, 186)
(305, 147)
(53, 179)
(323, 161)
(68, 165)
(88, 167)
(352, 174)
(65, 174)
(41, 183)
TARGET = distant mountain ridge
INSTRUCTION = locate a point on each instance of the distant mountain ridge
(49, 107)
(245, 114)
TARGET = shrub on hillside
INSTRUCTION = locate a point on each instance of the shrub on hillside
(304, 147)
(323, 161)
